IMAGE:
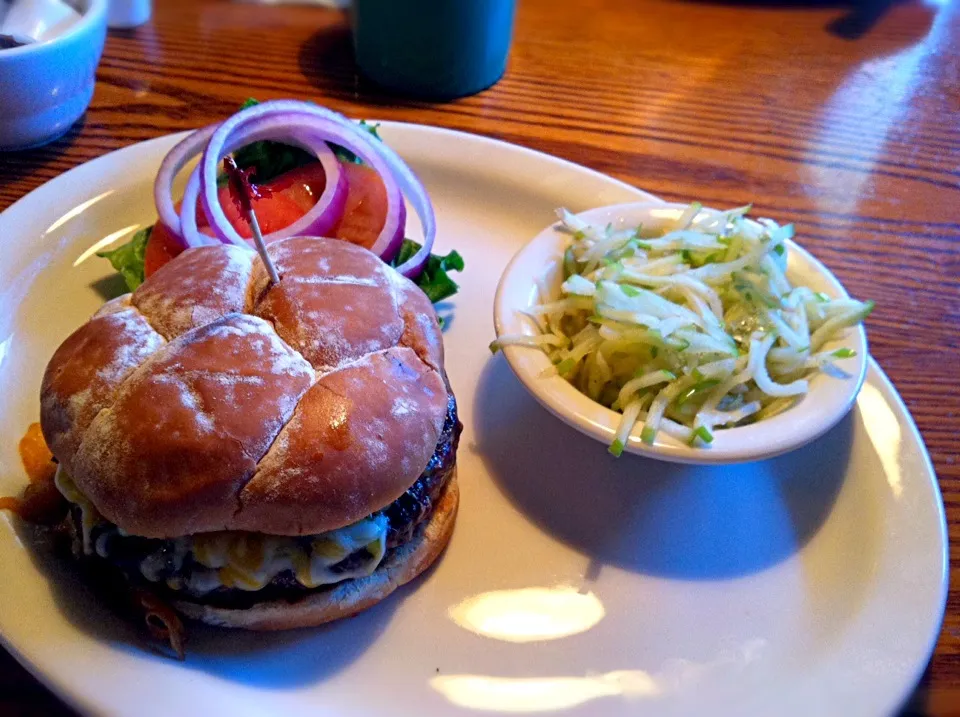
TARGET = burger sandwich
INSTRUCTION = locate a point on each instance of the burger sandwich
(255, 453)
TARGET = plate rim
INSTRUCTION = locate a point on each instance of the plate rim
(942, 532)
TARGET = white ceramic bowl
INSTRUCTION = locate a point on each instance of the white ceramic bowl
(828, 400)
(45, 87)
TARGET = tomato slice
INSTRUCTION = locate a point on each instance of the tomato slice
(291, 195)
(302, 185)
(274, 212)
(366, 208)
(162, 246)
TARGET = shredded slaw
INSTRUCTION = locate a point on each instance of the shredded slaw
(689, 330)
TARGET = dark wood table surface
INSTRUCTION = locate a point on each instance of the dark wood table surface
(844, 119)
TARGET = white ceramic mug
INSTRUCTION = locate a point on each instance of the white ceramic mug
(125, 14)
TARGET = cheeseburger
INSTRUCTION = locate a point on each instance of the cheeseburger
(257, 454)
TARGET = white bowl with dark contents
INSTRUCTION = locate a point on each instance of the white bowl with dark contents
(46, 85)
(538, 269)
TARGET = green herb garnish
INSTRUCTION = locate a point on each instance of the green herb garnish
(844, 353)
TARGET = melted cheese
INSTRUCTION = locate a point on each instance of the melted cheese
(89, 516)
(247, 561)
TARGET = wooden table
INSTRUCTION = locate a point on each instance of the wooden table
(844, 121)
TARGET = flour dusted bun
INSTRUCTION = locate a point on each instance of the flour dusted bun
(210, 400)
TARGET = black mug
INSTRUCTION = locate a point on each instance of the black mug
(433, 49)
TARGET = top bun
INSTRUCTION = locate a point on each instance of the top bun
(209, 400)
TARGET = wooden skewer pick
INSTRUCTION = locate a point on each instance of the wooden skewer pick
(243, 193)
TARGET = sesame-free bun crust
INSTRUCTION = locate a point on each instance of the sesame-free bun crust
(351, 596)
(210, 400)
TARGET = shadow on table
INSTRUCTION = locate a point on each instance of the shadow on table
(860, 18)
(690, 522)
(326, 61)
(917, 705)
(272, 660)
(16, 165)
(22, 695)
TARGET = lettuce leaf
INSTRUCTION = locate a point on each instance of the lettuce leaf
(128, 259)
(345, 155)
(435, 280)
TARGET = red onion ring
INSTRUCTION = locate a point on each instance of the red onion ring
(237, 129)
(417, 194)
(321, 218)
(310, 127)
(175, 160)
(189, 232)
(338, 129)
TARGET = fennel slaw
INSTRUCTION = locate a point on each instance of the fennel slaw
(685, 330)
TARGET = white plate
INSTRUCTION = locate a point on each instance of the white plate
(810, 584)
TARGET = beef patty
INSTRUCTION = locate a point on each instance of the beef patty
(404, 516)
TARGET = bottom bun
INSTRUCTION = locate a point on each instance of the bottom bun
(351, 596)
